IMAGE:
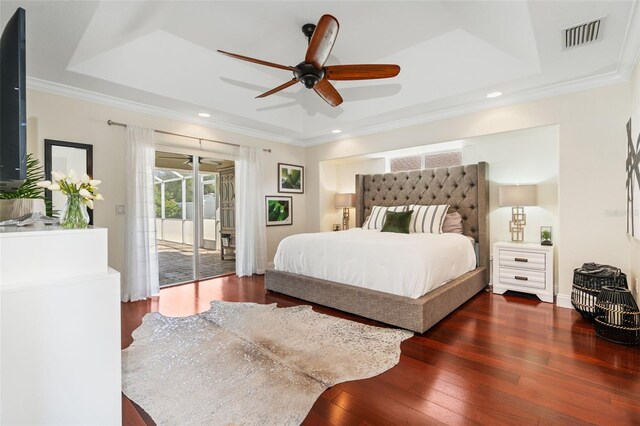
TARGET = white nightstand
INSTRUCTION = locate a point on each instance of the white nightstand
(523, 267)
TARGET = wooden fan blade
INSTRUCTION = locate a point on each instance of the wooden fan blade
(360, 72)
(259, 61)
(328, 92)
(322, 40)
(279, 88)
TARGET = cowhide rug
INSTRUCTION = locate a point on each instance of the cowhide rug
(245, 363)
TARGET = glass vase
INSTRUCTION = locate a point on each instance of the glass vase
(75, 213)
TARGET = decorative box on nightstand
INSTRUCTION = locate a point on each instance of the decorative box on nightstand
(523, 267)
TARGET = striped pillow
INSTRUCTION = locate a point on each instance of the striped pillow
(427, 219)
(378, 215)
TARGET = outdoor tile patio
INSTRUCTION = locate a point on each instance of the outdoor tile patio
(176, 263)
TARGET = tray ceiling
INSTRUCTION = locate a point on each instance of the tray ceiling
(163, 55)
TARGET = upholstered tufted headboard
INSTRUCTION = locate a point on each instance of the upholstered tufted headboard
(464, 188)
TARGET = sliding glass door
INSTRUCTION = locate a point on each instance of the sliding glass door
(188, 219)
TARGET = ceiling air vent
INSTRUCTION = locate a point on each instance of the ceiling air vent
(582, 34)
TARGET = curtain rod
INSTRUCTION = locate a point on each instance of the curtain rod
(115, 123)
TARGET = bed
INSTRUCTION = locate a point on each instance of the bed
(463, 188)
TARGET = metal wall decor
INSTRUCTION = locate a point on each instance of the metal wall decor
(633, 182)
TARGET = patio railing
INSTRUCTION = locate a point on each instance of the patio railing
(181, 231)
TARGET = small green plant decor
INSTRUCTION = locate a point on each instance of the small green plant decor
(29, 188)
(545, 236)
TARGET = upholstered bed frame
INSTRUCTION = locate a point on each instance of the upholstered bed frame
(465, 190)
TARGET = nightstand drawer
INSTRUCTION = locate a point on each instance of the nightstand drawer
(522, 260)
(522, 278)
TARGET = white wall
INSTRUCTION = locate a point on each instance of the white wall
(57, 117)
(347, 170)
(338, 176)
(591, 173)
(521, 157)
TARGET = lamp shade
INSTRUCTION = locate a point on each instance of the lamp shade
(341, 201)
(517, 195)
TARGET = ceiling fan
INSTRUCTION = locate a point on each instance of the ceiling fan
(189, 159)
(313, 73)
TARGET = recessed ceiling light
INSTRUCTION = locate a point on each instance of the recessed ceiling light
(336, 131)
(204, 114)
(494, 94)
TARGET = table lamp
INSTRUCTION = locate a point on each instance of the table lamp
(344, 202)
(516, 197)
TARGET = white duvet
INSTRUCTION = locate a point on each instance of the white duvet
(403, 264)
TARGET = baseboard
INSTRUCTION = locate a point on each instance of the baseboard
(564, 301)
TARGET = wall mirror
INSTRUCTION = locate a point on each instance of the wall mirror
(63, 156)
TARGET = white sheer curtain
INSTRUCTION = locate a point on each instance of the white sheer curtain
(251, 238)
(141, 253)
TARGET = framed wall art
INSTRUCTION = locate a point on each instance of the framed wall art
(290, 178)
(279, 210)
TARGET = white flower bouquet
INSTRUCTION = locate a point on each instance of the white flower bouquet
(81, 192)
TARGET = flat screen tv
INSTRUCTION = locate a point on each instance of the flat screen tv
(13, 104)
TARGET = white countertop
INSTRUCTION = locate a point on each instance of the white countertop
(40, 229)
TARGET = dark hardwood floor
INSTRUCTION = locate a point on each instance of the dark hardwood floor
(497, 360)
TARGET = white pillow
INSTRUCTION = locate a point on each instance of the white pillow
(378, 215)
(427, 219)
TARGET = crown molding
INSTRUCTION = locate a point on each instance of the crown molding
(112, 101)
(619, 76)
(549, 91)
(629, 54)
(627, 60)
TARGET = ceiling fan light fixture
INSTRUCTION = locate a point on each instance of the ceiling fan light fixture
(494, 94)
(313, 73)
(204, 114)
(309, 80)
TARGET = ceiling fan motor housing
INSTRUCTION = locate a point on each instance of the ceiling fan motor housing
(308, 74)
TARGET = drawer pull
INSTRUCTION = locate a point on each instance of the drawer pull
(521, 259)
(521, 278)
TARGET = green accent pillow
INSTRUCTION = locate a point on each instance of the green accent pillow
(397, 222)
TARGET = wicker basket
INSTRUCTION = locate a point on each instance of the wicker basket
(586, 288)
(617, 317)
